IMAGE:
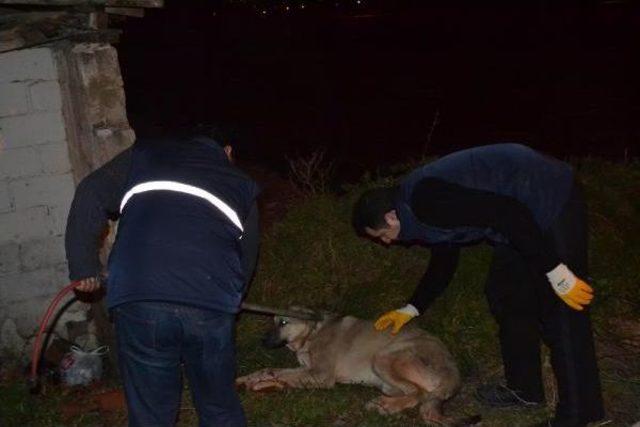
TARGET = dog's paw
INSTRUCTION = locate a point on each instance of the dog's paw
(262, 374)
(242, 381)
(263, 379)
(267, 385)
(376, 405)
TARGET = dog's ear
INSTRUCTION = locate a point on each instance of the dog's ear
(301, 309)
(304, 313)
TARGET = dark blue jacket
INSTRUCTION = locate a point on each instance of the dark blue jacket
(170, 246)
(178, 247)
(540, 183)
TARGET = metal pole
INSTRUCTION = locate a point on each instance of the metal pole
(246, 306)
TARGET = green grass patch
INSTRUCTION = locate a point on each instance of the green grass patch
(312, 258)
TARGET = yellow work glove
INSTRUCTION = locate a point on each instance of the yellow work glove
(572, 290)
(396, 318)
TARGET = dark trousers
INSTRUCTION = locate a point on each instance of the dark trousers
(154, 340)
(527, 310)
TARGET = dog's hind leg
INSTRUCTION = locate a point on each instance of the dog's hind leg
(399, 393)
(409, 380)
(434, 380)
(405, 374)
(393, 382)
(437, 383)
(386, 405)
(431, 412)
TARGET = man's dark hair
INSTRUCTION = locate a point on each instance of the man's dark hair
(371, 206)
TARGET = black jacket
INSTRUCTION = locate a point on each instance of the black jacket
(170, 246)
(501, 194)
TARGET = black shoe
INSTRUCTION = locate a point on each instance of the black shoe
(500, 396)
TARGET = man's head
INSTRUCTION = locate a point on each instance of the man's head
(227, 135)
(228, 150)
(374, 214)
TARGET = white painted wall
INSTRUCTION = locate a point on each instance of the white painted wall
(36, 189)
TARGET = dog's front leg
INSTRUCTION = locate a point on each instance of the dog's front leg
(258, 380)
(270, 379)
(304, 378)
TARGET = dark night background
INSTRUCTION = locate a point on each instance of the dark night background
(366, 81)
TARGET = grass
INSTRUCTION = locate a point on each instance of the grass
(312, 258)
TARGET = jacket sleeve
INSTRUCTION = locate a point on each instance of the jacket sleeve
(96, 200)
(250, 243)
(443, 204)
(442, 266)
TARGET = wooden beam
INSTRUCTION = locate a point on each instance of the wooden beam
(22, 17)
(10, 40)
(19, 37)
(110, 3)
(54, 2)
(99, 20)
(135, 12)
(148, 4)
(28, 29)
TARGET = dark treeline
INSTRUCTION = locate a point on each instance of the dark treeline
(384, 81)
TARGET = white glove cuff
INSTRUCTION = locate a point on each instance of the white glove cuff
(410, 310)
(561, 279)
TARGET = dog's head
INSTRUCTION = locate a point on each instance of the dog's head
(290, 331)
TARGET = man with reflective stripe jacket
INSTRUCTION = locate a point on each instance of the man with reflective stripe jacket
(183, 256)
(531, 209)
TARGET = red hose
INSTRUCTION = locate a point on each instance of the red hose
(35, 357)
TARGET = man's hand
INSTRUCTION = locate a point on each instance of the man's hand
(573, 291)
(89, 284)
(396, 318)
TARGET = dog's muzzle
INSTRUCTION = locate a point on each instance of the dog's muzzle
(272, 339)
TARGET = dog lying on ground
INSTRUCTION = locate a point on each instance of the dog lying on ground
(411, 368)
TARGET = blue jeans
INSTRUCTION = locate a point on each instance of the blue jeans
(154, 339)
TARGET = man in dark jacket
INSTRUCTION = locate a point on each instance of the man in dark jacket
(531, 209)
(185, 250)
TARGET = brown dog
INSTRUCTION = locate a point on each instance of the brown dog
(411, 368)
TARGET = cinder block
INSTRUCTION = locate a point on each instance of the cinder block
(9, 337)
(27, 64)
(58, 218)
(26, 314)
(13, 99)
(19, 163)
(54, 158)
(27, 224)
(6, 200)
(26, 285)
(32, 129)
(9, 258)
(46, 96)
(48, 190)
(41, 253)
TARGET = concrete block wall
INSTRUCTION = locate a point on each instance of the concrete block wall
(36, 189)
